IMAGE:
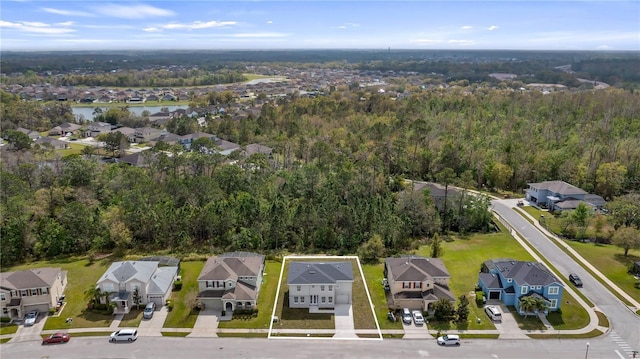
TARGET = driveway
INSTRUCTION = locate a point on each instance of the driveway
(206, 324)
(343, 314)
(411, 331)
(153, 327)
(507, 327)
(32, 333)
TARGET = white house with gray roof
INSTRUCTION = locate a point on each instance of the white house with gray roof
(121, 281)
(318, 285)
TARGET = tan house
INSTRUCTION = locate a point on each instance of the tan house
(34, 289)
(231, 281)
(416, 282)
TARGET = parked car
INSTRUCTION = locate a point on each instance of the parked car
(406, 316)
(124, 335)
(493, 312)
(449, 339)
(148, 310)
(59, 337)
(573, 278)
(418, 318)
(30, 319)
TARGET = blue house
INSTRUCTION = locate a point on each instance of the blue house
(560, 195)
(509, 281)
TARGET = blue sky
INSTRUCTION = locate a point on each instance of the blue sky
(211, 24)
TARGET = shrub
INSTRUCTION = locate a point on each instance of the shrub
(52, 311)
(169, 305)
(479, 298)
(177, 285)
(637, 285)
(5, 319)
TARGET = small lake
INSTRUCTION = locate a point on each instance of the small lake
(87, 112)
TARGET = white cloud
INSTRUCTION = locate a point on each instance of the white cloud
(35, 27)
(196, 25)
(492, 27)
(152, 29)
(348, 25)
(261, 35)
(426, 41)
(66, 23)
(132, 11)
(467, 27)
(461, 42)
(269, 22)
(66, 12)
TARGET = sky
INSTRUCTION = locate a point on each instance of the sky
(305, 24)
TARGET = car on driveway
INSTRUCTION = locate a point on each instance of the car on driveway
(573, 278)
(449, 339)
(418, 318)
(148, 310)
(406, 316)
(59, 337)
(30, 319)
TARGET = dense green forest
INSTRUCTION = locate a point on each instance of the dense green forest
(337, 177)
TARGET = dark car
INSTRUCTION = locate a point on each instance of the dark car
(56, 338)
(573, 278)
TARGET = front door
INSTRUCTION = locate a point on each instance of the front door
(314, 300)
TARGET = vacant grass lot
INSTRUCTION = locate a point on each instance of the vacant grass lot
(183, 315)
(373, 273)
(81, 275)
(265, 301)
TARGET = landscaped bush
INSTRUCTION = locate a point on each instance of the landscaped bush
(5, 319)
(245, 313)
(177, 285)
(52, 311)
(479, 298)
(169, 305)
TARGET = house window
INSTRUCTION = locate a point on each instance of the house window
(538, 287)
(322, 288)
(508, 280)
(406, 285)
(5, 311)
(301, 299)
(295, 299)
(554, 303)
(45, 291)
(299, 288)
(324, 299)
(417, 284)
(330, 288)
(24, 293)
(554, 290)
(34, 292)
(3, 297)
(330, 299)
(524, 289)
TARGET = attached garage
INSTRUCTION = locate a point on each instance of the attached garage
(42, 308)
(158, 299)
(494, 294)
(211, 303)
(343, 299)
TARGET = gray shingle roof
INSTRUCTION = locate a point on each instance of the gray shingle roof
(31, 278)
(560, 187)
(530, 273)
(319, 273)
(228, 266)
(415, 268)
(121, 272)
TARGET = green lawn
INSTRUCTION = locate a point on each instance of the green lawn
(182, 315)
(572, 316)
(4, 340)
(73, 148)
(373, 273)
(265, 301)
(81, 275)
(463, 258)
(175, 334)
(8, 328)
(133, 318)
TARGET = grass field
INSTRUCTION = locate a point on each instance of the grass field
(81, 275)
(265, 301)
(133, 318)
(373, 273)
(182, 315)
(175, 334)
(8, 328)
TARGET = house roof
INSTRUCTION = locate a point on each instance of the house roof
(257, 148)
(228, 266)
(122, 272)
(560, 187)
(162, 280)
(568, 204)
(435, 189)
(491, 281)
(319, 273)
(531, 273)
(595, 200)
(415, 268)
(31, 278)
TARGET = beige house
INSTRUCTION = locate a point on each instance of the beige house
(231, 281)
(417, 282)
(34, 289)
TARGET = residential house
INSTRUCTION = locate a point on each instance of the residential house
(51, 142)
(147, 281)
(231, 281)
(560, 195)
(188, 139)
(225, 147)
(127, 132)
(66, 129)
(509, 281)
(34, 135)
(146, 134)
(318, 285)
(95, 129)
(417, 282)
(33, 289)
(160, 118)
(138, 159)
(437, 192)
(257, 148)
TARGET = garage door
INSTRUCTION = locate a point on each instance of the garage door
(342, 299)
(211, 303)
(42, 308)
(494, 295)
(156, 299)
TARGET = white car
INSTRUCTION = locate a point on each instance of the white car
(406, 316)
(418, 318)
(449, 339)
(30, 319)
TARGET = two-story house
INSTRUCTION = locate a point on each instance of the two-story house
(560, 195)
(509, 281)
(146, 134)
(95, 129)
(231, 281)
(146, 281)
(417, 282)
(317, 285)
(34, 289)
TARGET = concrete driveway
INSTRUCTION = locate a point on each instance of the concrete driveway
(206, 324)
(507, 327)
(412, 331)
(31, 333)
(153, 327)
(343, 314)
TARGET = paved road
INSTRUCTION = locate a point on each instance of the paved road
(168, 347)
(625, 324)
